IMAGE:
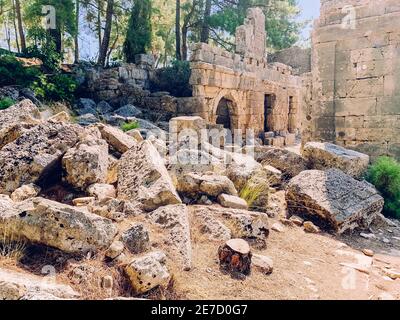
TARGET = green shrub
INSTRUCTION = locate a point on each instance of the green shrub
(384, 174)
(55, 87)
(130, 126)
(6, 103)
(12, 72)
(174, 79)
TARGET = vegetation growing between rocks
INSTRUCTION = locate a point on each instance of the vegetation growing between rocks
(130, 126)
(6, 103)
(385, 175)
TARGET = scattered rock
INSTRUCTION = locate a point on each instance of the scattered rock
(213, 228)
(57, 225)
(273, 176)
(117, 139)
(62, 117)
(25, 192)
(15, 120)
(102, 191)
(83, 202)
(86, 106)
(335, 198)
(135, 134)
(233, 202)
(311, 227)
(263, 263)
(107, 282)
(143, 177)
(174, 220)
(87, 119)
(87, 162)
(289, 163)
(235, 257)
(323, 156)
(35, 157)
(368, 252)
(136, 239)
(22, 286)
(297, 220)
(148, 272)
(112, 174)
(195, 185)
(278, 227)
(109, 208)
(128, 111)
(369, 236)
(104, 107)
(116, 248)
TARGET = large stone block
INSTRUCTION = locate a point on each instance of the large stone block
(322, 156)
(333, 199)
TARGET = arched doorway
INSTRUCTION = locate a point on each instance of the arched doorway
(224, 113)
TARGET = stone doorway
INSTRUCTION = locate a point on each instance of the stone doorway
(224, 113)
(269, 101)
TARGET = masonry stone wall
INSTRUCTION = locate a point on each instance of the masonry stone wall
(298, 58)
(354, 90)
(245, 78)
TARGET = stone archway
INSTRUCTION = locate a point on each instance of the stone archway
(225, 111)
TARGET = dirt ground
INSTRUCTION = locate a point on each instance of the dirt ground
(306, 267)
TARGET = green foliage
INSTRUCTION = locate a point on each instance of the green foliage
(55, 87)
(255, 192)
(12, 72)
(130, 126)
(43, 49)
(6, 103)
(139, 33)
(385, 175)
(174, 79)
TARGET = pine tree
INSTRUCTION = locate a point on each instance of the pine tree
(138, 37)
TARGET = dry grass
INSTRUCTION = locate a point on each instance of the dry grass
(11, 248)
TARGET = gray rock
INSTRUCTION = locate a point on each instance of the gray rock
(174, 220)
(87, 119)
(104, 107)
(35, 157)
(323, 156)
(136, 239)
(142, 176)
(333, 198)
(128, 110)
(85, 106)
(57, 225)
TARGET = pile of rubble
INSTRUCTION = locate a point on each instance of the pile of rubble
(131, 195)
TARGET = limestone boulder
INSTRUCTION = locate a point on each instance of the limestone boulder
(25, 192)
(333, 198)
(190, 126)
(174, 221)
(142, 176)
(35, 157)
(87, 162)
(233, 202)
(136, 239)
(242, 223)
(57, 225)
(21, 286)
(212, 227)
(290, 163)
(195, 185)
(148, 272)
(117, 139)
(323, 156)
(15, 120)
(102, 191)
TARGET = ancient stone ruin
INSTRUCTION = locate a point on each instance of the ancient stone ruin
(352, 95)
(241, 90)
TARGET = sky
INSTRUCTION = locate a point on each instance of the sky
(309, 11)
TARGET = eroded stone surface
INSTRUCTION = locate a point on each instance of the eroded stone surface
(334, 198)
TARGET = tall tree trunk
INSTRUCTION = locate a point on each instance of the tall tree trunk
(76, 38)
(178, 30)
(205, 29)
(15, 27)
(99, 24)
(185, 30)
(107, 33)
(20, 26)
